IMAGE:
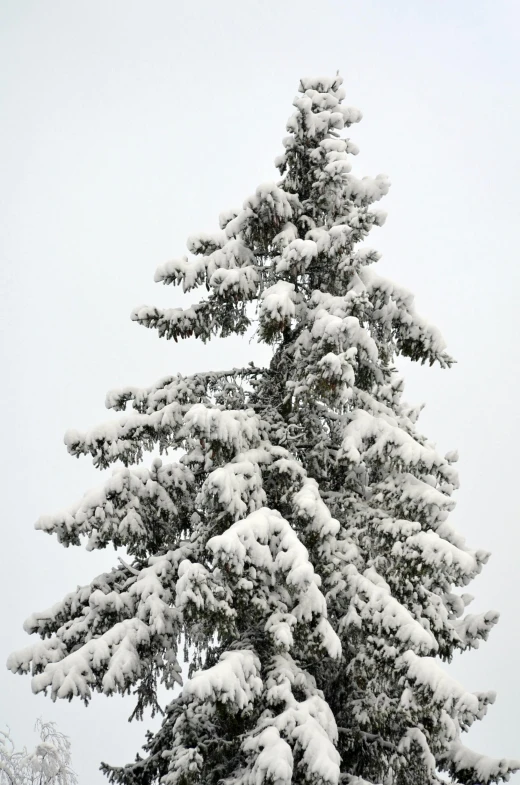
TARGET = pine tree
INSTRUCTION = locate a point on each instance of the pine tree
(299, 548)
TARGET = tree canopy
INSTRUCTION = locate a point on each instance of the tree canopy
(294, 535)
(49, 763)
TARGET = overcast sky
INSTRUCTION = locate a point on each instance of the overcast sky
(126, 126)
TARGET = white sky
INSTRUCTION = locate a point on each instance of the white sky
(126, 127)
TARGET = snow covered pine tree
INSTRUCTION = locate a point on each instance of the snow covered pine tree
(300, 546)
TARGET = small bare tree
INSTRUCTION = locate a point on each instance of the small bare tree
(48, 764)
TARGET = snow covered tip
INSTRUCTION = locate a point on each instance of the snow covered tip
(323, 84)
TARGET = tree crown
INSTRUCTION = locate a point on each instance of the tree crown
(300, 546)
